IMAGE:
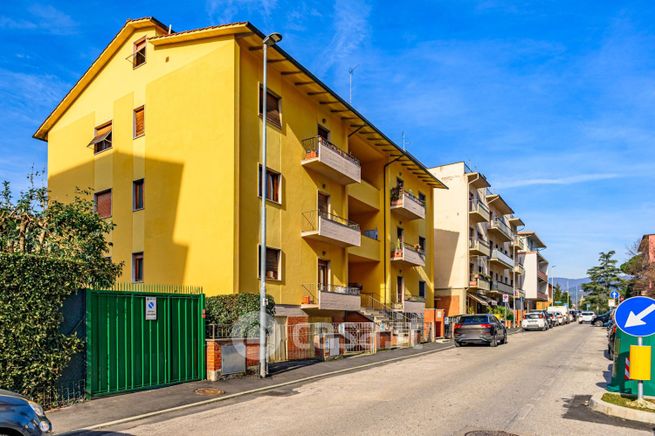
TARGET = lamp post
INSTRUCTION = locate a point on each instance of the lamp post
(268, 41)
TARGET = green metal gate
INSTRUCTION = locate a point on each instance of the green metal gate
(127, 352)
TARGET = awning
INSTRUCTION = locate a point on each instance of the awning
(100, 137)
(478, 299)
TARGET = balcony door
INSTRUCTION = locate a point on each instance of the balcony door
(323, 204)
(323, 274)
(323, 133)
(400, 289)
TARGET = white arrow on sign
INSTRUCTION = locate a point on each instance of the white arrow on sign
(635, 320)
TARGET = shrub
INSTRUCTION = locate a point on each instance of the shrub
(33, 351)
(228, 309)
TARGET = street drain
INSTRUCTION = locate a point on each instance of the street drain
(489, 433)
(209, 391)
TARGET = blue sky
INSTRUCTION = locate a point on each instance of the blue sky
(553, 100)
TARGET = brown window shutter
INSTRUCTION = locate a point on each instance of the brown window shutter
(273, 109)
(139, 122)
(272, 257)
(103, 204)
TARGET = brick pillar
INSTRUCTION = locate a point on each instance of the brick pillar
(214, 362)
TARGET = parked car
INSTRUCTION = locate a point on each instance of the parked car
(573, 315)
(535, 321)
(479, 329)
(560, 310)
(552, 322)
(600, 320)
(20, 416)
(586, 316)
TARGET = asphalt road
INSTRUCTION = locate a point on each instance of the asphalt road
(538, 384)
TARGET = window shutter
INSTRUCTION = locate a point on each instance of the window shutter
(272, 257)
(273, 109)
(139, 122)
(103, 204)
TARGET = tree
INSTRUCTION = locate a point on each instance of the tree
(559, 295)
(48, 251)
(640, 270)
(604, 278)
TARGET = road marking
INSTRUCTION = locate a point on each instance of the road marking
(251, 391)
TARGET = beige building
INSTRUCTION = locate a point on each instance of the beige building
(535, 280)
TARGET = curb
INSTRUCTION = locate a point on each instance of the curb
(597, 404)
(248, 392)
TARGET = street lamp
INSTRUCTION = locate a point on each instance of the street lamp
(268, 41)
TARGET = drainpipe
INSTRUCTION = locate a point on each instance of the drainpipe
(384, 214)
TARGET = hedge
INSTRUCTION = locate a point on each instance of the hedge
(33, 351)
(233, 308)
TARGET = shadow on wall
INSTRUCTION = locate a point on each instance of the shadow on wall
(445, 243)
(151, 230)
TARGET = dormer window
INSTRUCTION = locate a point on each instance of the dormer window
(139, 55)
(102, 139)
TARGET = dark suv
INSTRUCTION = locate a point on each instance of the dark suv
(479, 329)
(600, 320)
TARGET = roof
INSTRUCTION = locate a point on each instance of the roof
(246, 31)
(533, 235)
(500, 204)
(514, 220)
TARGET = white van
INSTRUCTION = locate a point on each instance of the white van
(563, 311)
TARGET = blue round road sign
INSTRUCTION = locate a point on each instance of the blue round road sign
(614, 294)
(636, 317)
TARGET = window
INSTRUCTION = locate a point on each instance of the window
(137, 267)
(137, 194)
(273, 114)
(421, 289)
(421, 243)
(139, 126)
(102, 138)
(273, 257)
(323, 133)
(273, 185)
(139, 53)
(421, 198)
(102, 202)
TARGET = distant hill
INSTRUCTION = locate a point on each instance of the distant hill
(573, 284)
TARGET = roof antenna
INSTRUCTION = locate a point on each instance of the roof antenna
(170, 29)
(351, 70)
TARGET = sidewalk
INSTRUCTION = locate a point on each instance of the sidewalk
(104, 410)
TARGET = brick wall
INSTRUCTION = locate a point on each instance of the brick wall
(213, 353)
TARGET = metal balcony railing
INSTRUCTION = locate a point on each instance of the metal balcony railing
(474, 243)
(400, 246)
(314, 288)
(398, 192)
(313, 145)
(501, 287)
(502, 257)
(500, 224)
(310, 220)
(476, 205)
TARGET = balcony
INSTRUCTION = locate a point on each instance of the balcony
(499, 227)
(406, 205)
(326, 227)
(414, 305)
(331, 297)
(365, 196)
(368, 251)
(479, 282)
(408, 255)
(542, 276)
(518, 269)
(542, 296)
(517, 243)
(501, 258)
(478, 212)
(329, 160)
(479, 247)
(502, 288)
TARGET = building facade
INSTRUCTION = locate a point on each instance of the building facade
(535, 282)
(164, 130)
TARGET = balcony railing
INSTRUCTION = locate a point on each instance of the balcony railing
(478, 211)
(331, 297)
(327, 227)
(501, 287)
(326, 158)
(406, 204)
(405, 253)
(518, 269)
(479, 247)
(517, 242)
(542, 296)
(500, 257)
(502, 228)
(542, 276)
(479, 282)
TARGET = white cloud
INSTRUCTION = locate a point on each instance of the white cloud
(565, 180)
(42, 18)
(225, 11)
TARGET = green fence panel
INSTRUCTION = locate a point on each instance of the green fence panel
(127, 352)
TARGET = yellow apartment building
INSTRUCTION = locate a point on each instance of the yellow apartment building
(164, 128)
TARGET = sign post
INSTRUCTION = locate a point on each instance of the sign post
(634, 317)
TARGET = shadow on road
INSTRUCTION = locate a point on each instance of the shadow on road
(577, 408)
(281, 367)
(607, 377)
